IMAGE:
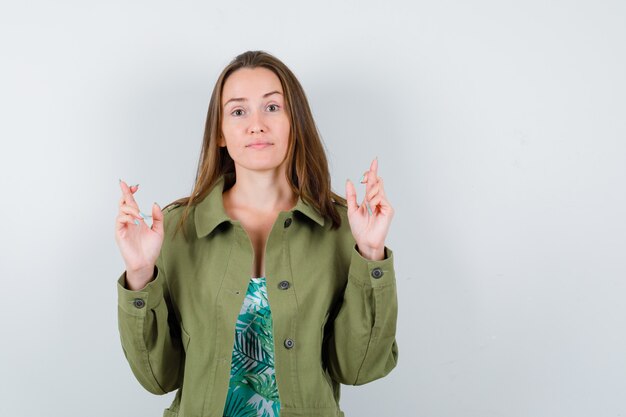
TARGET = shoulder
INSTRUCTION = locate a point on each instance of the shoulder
(173, 213)
(339, 204)
(342, 209)
(343, 232)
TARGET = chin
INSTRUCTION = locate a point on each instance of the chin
(260, 166)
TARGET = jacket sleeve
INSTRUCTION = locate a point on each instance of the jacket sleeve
(362, 346)
(150, 333)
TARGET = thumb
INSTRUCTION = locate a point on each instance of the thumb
(157, 219)
(351, 196)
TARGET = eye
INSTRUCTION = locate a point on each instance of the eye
(273, 106)
(235, 111)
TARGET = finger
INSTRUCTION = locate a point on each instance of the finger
(380, 204)
(133, 189)
(128, 195)
(381, 189)
(126, 209)
(351, 197)
(157, 219)
(364, 178)
(378, 189)
(377, 203)
(364, 202)
(122, 199)
(124, 220)
(374, 167)
(372, 175)
(373, 192)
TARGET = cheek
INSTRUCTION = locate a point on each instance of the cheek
(228, 127)
(231, 132)
(285, 126)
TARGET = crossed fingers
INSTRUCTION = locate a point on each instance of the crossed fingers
(374, 188)
(129, 209)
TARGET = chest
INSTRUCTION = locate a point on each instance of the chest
(257, 227)
(258, 230)
(218, 269)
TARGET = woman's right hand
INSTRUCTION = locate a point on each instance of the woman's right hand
(139, 244)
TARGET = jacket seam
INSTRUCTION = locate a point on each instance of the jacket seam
(355, 280)
(370, 341)
(373, 338)
(146, 356)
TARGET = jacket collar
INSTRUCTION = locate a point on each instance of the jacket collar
(210, 211)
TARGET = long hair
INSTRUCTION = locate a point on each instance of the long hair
(307, 170)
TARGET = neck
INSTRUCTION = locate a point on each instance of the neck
(263, 192)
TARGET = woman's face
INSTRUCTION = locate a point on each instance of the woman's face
(255, 125)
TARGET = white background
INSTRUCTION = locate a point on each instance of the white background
(499, 128)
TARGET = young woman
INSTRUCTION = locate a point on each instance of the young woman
(277, 290)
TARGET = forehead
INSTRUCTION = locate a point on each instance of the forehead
(250, 83)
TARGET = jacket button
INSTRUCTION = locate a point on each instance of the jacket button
(288, 222)
(289, 343)
(283, 285)
(139, 303)
(377, 272)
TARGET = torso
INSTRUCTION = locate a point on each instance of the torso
(258, 230)
(258, 227)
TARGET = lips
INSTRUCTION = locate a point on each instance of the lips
(259, 144)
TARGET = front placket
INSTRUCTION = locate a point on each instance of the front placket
(283, 303)
(229, 300)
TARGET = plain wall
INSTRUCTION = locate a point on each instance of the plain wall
(499, 128)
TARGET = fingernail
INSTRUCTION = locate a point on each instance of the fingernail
(143, 216)
(136, 185)
(137, 222)
(157, 204)
(362, 178)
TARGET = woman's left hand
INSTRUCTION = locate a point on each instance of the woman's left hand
(370, 230)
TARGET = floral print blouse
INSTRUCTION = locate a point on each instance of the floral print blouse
(253, 391)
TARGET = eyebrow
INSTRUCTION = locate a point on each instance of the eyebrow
(245, 99)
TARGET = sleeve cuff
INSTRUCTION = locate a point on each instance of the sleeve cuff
(365, 272)
(136, 303)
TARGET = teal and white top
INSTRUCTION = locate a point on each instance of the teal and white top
(253, 391)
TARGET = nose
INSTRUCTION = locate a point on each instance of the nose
(256, 123)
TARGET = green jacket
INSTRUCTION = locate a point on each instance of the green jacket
(337, 309)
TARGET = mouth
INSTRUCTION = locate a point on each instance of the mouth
(259, 145)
